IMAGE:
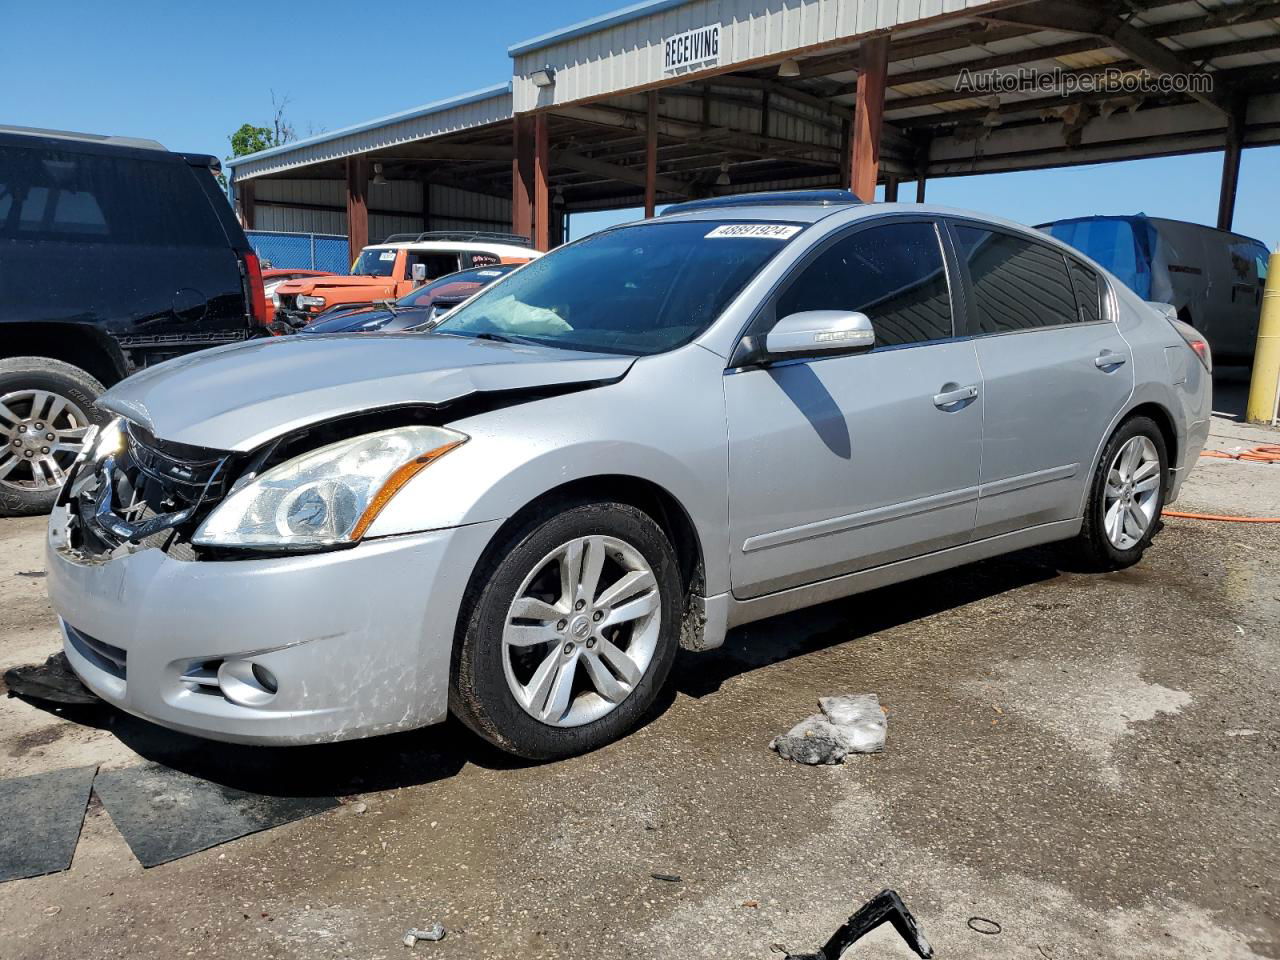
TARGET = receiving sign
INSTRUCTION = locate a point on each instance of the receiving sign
(693, 47)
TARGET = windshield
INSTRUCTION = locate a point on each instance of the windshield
(636, 290)
(481, 276)
(374, 263)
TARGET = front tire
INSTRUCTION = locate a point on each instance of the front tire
(1125, 497)
(569, 631)
(46, 407)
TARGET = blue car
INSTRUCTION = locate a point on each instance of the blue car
(414, 309)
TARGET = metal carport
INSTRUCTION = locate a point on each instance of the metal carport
(608, 114)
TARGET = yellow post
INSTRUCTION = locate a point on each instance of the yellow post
(1266, 356)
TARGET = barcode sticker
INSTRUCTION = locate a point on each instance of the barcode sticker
(766, 231)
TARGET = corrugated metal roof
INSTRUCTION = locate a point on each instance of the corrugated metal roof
(417, 123)
(616, 18)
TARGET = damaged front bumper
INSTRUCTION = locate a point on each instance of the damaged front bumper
(273, 650)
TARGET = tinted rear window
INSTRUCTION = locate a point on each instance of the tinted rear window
(62, 195)
(1088, 291)
(1017, 284)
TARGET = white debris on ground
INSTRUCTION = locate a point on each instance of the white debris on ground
(847, 724)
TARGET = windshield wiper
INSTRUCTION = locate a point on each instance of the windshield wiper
(498, 337)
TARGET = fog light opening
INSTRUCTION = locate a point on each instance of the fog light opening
(247, 684)
(265, 678)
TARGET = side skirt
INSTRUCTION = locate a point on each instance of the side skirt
(723, 611)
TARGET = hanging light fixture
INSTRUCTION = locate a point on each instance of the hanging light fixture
(557, 200)
(723, 179)
(789, 68)
(378, 179)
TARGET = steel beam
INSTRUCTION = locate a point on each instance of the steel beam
(1231, 167)
(868, 117)
(522, 175)
(651, 154)
(357, 206)
(541, 188)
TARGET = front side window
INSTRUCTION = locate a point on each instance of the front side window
(1017, 284)
(635, 290)
(374, 263)
(894, 274)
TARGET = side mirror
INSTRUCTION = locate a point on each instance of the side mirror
(419, 272)
(820, 332)
(1166, 310)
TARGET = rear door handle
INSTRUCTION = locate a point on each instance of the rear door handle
(1108, 360)
(950, 398)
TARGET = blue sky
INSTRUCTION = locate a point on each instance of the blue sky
(187, 75)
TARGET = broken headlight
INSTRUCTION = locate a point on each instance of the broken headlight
(327, 497)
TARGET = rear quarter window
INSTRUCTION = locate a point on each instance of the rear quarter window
(62, 195)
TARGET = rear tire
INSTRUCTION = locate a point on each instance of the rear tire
(1126, 496)
(553, 659)
(41, 398)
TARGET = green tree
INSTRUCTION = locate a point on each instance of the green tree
(250, 139)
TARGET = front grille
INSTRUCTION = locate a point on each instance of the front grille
(153, 493)
(102, 655)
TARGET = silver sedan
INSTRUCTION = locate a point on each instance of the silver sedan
(649, 436)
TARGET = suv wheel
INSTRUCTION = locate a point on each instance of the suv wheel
(569, 633)
(1126, 497)
(46, 407)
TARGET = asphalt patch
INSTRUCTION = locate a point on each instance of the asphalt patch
(164, 814)
(42, 817)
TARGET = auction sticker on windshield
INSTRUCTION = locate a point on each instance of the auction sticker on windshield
(766, 231)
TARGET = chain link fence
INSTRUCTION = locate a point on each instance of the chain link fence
(301, 251)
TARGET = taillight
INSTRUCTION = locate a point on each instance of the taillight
(1196, 341)
(255, 292)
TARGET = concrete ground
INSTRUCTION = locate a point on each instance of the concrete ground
(1089, 761)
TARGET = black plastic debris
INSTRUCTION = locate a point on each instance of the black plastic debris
(52, 681)
(884, 906)
(164, 814)
(42, 816)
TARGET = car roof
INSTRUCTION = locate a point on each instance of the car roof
(97, 138)
(449, 246)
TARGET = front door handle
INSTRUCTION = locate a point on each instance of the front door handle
(953, 395)
(1109, 360)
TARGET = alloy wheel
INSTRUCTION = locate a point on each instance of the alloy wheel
(41, 433)
(582, 631)
(1132, 493)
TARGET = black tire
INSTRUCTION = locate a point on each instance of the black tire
(479, 694)
(1092, 547)
(18, 374)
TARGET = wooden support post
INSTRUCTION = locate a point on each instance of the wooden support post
(245, 201)
(1231, 168)
(541, 186)
(522, 176)
(920, 185)
(651, 156)
(868, 117)
(891, 190)
(357, 206)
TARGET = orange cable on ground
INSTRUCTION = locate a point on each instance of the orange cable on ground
(1265, 453)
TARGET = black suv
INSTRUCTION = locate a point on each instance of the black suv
(115, 254)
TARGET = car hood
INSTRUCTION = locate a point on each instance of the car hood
(240, 396)
(344, 320)
(311, 284)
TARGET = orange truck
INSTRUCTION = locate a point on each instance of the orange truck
(389, 270)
